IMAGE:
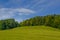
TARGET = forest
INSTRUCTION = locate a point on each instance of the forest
(48, 20)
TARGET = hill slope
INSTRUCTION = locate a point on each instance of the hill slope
(31, 33)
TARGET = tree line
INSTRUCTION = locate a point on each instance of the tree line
(49, 20)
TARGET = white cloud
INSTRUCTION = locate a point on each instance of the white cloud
(26, 10)
(11, 12)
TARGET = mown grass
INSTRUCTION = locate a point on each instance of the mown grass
(31, 33)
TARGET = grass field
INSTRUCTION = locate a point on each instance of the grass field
(31, 33)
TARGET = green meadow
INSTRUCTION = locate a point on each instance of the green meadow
(30, 33)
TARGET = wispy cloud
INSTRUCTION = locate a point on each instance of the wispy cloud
(38, 2)
(10, 12)
(45, 5)
(32, 3)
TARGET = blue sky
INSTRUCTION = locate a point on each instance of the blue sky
(24, 9)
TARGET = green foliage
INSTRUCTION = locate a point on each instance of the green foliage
(8, 24)
(49, 20)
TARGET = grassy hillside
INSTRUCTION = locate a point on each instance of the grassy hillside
(31, 33)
